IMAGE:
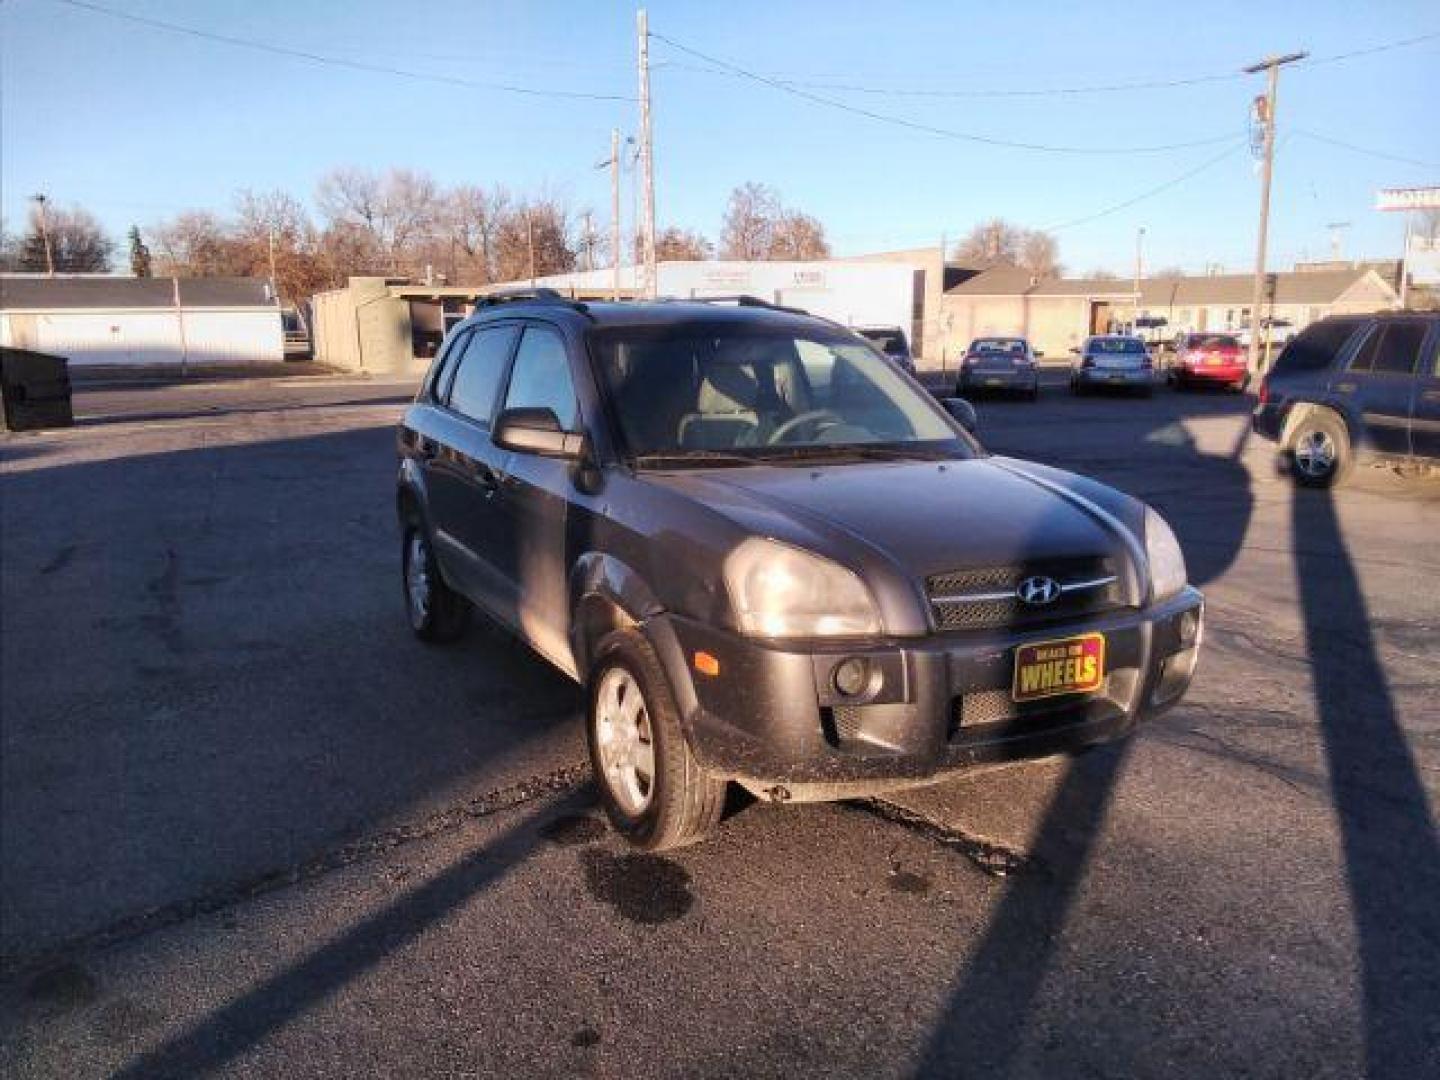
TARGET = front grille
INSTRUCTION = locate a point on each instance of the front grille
(985, 598)
(981, 707)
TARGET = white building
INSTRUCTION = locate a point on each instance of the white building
(95, 320)
(850, 293)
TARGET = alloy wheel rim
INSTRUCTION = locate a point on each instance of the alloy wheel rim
(624, 739)
(417, 578)
(1315, 453)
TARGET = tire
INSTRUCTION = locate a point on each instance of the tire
(681, 802)
(437, 613)
(1319, 449)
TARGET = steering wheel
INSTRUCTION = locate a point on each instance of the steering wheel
(821, 418)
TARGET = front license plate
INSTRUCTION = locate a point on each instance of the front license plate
(1073, 665)
(1117, 378)
(994, 382)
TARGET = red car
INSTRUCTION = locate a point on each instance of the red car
(1210, 360)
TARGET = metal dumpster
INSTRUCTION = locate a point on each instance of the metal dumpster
(36, 390)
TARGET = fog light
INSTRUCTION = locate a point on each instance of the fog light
(851, 676)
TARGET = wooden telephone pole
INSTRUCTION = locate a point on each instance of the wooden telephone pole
(647, 162)
(1265, 110)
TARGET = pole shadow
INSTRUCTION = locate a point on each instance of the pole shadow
(231, 1030)
(1391, 851)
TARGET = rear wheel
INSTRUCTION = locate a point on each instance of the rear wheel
(437, 613)
(1320, 452)
(652, 786)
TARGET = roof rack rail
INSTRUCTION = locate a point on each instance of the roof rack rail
(738, 299)
(527, 294)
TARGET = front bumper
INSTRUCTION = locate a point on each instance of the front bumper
(772, 718)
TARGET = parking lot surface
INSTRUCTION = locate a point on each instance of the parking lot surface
(250, 826)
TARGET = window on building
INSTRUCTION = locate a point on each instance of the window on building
(477, 377)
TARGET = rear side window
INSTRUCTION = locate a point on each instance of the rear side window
(541, 376)
(1391, 349)
(481, 367)
(1315, 348)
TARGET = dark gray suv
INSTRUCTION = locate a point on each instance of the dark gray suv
(772, 557)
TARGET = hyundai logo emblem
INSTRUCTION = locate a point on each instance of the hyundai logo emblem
(1038, 591)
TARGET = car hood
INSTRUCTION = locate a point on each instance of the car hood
(923, 517)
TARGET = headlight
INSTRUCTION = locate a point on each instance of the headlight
(780, 591)
(1167, 561)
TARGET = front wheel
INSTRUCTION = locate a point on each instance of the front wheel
(1320, 453)
(653, 788)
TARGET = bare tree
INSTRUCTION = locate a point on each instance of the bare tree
(1040, 254)
(1103, 275)
(472, 217)
(398, 210)
(798, 236)
(749, 227)
(541, 228)
(197, 243)
(681, 245)
(990, 242)
(77, 243)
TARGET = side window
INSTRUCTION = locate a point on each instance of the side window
(1398, 350)
(453, 349)
(540, 378)
(1316, 348)
(481, 367)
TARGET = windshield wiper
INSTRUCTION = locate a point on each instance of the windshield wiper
(690, 457)
(867, 452)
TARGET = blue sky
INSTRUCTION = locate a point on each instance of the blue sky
(136, 123)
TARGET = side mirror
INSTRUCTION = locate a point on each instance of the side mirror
(1037, 353)
(536, 431)
(962, 412)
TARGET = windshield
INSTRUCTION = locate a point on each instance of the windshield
(1116, 346)
(997, 347)
(728, 393)
(1212, 341)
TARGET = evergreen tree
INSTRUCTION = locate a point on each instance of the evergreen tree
(139, 254)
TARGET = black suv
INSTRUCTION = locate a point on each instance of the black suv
(772, 557)
(1355, 386)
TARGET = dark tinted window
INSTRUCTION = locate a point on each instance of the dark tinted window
(476, 380)
(540, 378)
(1212, 341)
(1315, 348)
(1391, 349)
(1115, 346)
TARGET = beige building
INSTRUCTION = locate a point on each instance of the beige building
(1057, 314)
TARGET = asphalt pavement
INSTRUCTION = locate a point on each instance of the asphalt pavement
(250, 826)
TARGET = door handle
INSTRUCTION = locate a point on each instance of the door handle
(1431, 395)
(1345, 387)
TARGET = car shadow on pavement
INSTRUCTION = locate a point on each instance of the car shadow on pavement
(1386, 832)
(984, 1024)
(232, 1029)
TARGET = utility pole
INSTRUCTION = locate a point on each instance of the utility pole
(40, 201)
(530, 242)
(588, 243)
(615, 213)
(1265, 106)
(1139, 269)
(647, 158)
(274, 284)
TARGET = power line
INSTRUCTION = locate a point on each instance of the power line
(1364, 150)
(947, 133)
(810, 83)
(336, 61)
(1158, 189)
